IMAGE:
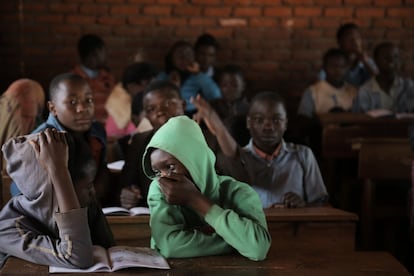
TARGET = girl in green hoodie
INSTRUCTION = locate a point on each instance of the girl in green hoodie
(194, 211)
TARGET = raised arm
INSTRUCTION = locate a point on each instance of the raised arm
(207, 114)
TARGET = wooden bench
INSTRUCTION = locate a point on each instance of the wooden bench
(381, 160)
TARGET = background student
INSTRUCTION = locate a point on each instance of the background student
(283, 174)
(56, 218)
(205, 48)
(194, 211)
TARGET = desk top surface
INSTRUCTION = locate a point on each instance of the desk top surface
(355, 263)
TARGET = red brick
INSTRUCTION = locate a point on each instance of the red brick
(94, 9)
(126, 31)
(65, 29)
(339, 12)
(401, 12)
(233, 22)
(187, 10)
(172, 21)
(80, 19)
(140, 2)
(396, 3)
(125, 10)
(188, 33)
(63, 8)
(157, 10)
(299, 2)
(263, 22)
(248, 12)
(325, 23)
(279, 11)
(142, 20)
(266, 66)
(111, 1)
(357, 3)
(220, 32)
(388, 23)
(267, 2)
(173, 2)
(307, 11)
(331, 3)
(296, 23)
(216, 11)
(111, 20)
(370, 12)
(50, 18)
(203, 21)
(206, 2)
(31, 7)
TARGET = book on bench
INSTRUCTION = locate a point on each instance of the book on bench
(119, 257)
(120, 211)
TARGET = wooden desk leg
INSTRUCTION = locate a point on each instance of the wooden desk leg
(367, 213)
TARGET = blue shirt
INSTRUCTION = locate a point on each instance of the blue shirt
(196, 84)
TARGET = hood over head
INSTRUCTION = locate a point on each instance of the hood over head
(182, 137)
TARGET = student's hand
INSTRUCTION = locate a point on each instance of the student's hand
(193, 68)
(178, 189)
(51, 150)
(292, 200)
(204, 112)
(130, 197)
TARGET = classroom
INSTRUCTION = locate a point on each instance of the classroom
(309, 102)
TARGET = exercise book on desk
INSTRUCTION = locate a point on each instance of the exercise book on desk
(120, 211)
(119, 257)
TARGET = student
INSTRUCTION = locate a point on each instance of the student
(161, 101)
(119, 104)
(194, 211)
(362, 67)
(387, 92)
(283, 174)
(333, 93)
(71, 109)
(184, 71)
(205, 50)
(21, 110)
(93, 68)
(233, 106)
(56, 219)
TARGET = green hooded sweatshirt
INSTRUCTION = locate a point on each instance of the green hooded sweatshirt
(236, 218)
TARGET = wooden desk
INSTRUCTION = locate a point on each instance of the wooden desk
(285, 263)
(306, 229)
(318, 229)
(381, 160)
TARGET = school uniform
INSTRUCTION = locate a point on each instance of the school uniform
(291, 168)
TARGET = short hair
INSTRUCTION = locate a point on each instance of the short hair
(334, 52)
(381, 47)
(161, 85)
(344, 28)
(137, 72)
(230, 69)
(88, 44)
(206, 40)
(169, 66)
(56, 81)
(268, 96)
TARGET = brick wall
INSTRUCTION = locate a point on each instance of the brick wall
(278, 42)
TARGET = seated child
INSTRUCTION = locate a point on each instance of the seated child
(56, 219)
(120, 121)
(194, 211)
(182, 70)
(361, 67)
(205, 49)
(283, 174)
(387, 92)
(161, 101)
(334, 92)
(233, 107)
(71, 109)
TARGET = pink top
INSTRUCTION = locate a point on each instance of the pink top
(112, 129)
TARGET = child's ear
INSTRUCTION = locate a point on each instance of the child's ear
(51, 107)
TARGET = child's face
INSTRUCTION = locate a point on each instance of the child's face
(336, 68)
(183, 57)
(163, 164)
(231, 86)
(267, 123)
(206, 56)
(73, 105)
(351, 41)
(96, 60)
(134, 88)
(388, 60)
(161, 105)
